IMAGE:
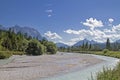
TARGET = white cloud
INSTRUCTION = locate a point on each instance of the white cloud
(110, 20)
(49, 15)
(93, 23)
(116, 28)
(77, 39)
(82, 31)
(70, 43)
(49, 11)
(113, 30)
(70, 31)
(97, 34)
(51, 35)
(82, 34)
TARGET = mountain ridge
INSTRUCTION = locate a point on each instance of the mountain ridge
(79, 43)
(24, 30)
(61, 45)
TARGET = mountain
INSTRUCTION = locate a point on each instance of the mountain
(84, 41)
(100, 45)
(27, 30)
(24, 30)
(118, 41)
(61, 45)
(2, 28)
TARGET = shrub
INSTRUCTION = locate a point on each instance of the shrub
(35, 48)
(18, 53)
(5, 54)
(105, 51)
(51, 48)
(109, 74)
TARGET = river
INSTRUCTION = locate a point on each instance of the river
(85, 74)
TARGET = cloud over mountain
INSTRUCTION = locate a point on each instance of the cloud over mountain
(94, 33)
(51, 35)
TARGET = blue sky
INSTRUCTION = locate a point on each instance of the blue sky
(66, 21)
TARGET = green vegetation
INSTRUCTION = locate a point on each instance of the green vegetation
(87, 46)
(35, 48)
(19, 44)
(110, 49)
(105, 51)
(109, 74)
(108, 44)
(5, 54)
(51, 48)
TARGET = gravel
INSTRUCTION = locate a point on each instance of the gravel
(46, 66)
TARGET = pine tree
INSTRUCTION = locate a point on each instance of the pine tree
(86, 46)
(83, 46)
(90, 46)
(108, 44)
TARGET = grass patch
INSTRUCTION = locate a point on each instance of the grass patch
(109, 74)
(115, 54)
(7, 54)
(4, 55)
(17, 53)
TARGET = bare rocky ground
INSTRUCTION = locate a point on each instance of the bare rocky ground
(34, 67)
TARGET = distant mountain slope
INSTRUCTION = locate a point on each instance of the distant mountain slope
(2, 28)
(118, 41)
(24, 30)
(84, 41)
(27, 30)
(61, 45)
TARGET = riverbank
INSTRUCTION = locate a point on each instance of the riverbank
(115, 54)
(46, 66)
(6, 61)
(85, 74)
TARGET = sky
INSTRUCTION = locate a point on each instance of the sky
(66, 21)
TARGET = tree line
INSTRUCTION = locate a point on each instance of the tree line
(10, 41)
(93, 47)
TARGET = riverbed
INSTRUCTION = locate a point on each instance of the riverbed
(61, 66)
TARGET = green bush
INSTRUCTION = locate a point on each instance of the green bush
(17, 53)
(51, 48)
(105, 51)
(109, 74)
(35, 48)
(2, 48)
(5, 54)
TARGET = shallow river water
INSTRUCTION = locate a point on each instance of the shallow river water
(85, 74)
(82, 74)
